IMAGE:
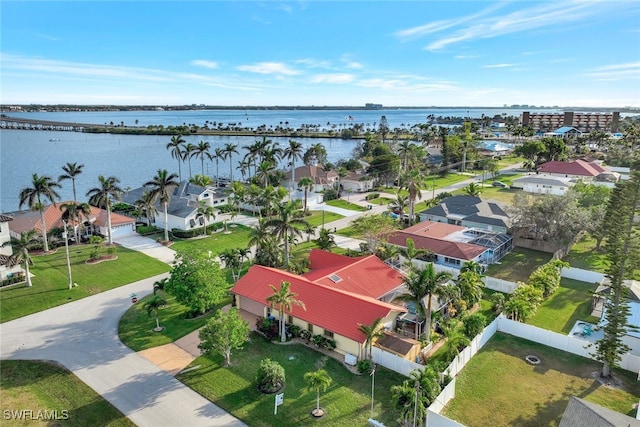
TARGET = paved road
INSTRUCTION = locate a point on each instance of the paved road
(83, 336)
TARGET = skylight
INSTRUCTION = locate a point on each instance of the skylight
(335, 278)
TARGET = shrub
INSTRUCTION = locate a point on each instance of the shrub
(147, 229)
(323, 342)
(364, 366)
(305, 335)
(372, 196)
(270, 376)
(268, 326)
(474, 324)
(497, 302)
(294, 330)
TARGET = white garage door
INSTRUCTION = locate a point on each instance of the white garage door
(251, 306)
(122, 230)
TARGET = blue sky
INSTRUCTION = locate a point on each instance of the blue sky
(411, 53)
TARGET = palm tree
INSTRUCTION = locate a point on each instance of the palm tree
(187, 153)
(71, 170)
(325, 240)
(229, 149)
(218, 154)
(264, 172)
(21, 251)
(101, 197)
(420, 285)
(153, 307)
(292, 153)
(207, 213)
(283, 299)
(159, 285)
(400, 203)
(147, 204)
(232, 260)
(286, 224)
(371, 332)
(202, 151)
(305, 183)
(176, 151)
(413, 181)
(42, 187)
(318, 380)
(73, 211)
(472, 190)
(456, 339)
(162, 186)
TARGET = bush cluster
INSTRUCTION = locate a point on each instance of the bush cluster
(323, 342)
(270, 376)
(268, 326)
(16, 278)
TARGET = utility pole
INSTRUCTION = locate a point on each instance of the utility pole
(66, 248)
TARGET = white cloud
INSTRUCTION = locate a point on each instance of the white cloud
(314, 63)
(498, 65)
(269, 68)
(465, 56)
(332, 78)
(204, 63)
(627, 71)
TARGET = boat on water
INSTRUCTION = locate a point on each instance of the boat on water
(54, 140)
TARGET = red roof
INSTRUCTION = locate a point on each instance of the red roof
(458, 250)
(30, 220)
(365, 275)
(332, 309)
(577, 167)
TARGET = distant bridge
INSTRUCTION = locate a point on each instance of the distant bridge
(7, 122)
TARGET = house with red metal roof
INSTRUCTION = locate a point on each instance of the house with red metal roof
(96, 222)
(576, 169)
(339, 295)
(453, 245)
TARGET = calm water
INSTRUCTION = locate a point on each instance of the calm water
(135, 159)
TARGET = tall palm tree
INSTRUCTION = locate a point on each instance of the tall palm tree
(318, 380)
(371, 332)
(71, 171)
(21, 251)
(292, 153)
(412, 181)
(187, 153)
(42, 187)
(218, 154)
(207, 212)
(286, 224)
(229, 149)
(73, 212)
(101, 197)
(232, 260)
(147, 204)
(161, 187)
(176, 151)
(202, 151)
(305, 183)
(283, 299)
(455, 337)
(423, 284)
(264, 172)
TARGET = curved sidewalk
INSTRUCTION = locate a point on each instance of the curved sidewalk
(83, 336)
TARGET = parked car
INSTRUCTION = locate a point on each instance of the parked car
(499, 184)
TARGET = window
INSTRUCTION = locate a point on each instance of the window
(328, 334)
(335, 278)
(310, 327)
(451, 261)
(290, 319)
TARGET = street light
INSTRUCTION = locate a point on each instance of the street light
(373, 381)
(66, 248)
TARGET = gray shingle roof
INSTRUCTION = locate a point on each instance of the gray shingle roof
(580, 413)
(471, 209)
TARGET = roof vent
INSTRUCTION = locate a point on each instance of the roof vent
(335, 278)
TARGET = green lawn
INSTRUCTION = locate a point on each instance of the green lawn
(316, 217)
(585, 255)
(339, 203)
(509, 160)
(217, 242)
(570, 303)
(35, 385)
(347, 401)
(518, 264)
(349, 232)
(499, 388)
(136, 327)
(50, 283)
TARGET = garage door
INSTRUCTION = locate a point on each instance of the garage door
(251, 306)
(122, 230)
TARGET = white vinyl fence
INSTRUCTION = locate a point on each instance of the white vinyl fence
(394, 362)
(582, 275)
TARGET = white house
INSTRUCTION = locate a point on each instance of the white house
(540, 184)
(321, 179)
(356, 183)
(183, 207)
(6, 270)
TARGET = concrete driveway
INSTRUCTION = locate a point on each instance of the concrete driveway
(147, 246)
(83, 336)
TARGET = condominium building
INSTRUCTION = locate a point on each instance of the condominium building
(585, 122)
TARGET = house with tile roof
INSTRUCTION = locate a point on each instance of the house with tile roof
(356, 182)
(470, 212)
(183, 206)
(580, 169)
(321, 179)
(453, 245)
(331, 309)
(95, 223)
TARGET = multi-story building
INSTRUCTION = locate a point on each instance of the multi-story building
(585, 122)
